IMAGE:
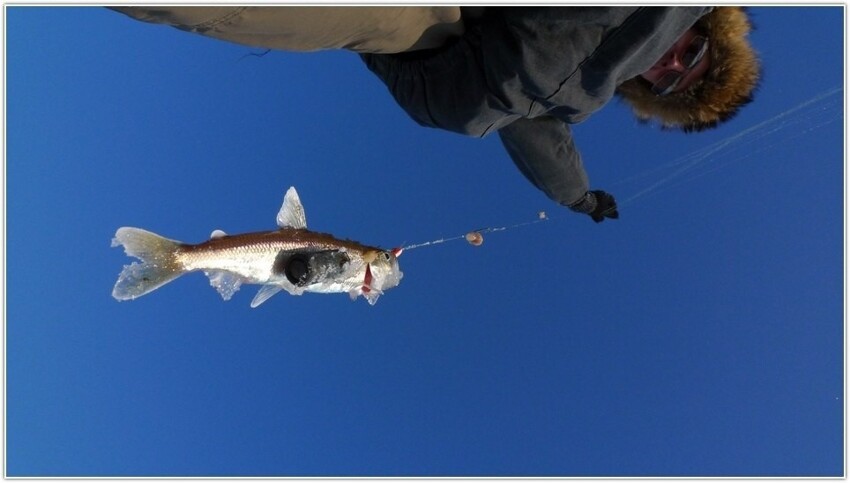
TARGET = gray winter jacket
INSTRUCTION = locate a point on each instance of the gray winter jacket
(530, 72)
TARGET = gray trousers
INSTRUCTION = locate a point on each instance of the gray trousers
(379, 30)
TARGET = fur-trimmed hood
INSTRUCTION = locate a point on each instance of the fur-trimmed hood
(728, 84)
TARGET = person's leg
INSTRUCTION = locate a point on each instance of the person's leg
(360, 29)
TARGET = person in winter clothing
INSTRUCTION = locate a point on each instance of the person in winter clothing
(528, 73)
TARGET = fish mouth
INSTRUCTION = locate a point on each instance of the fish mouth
(367, 279)
(381, 274)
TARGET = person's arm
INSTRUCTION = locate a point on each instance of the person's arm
(544, 151)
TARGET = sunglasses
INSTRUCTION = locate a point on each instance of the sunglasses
(693, 55)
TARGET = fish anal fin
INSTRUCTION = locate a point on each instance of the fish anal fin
(291, 214)
(225, 283)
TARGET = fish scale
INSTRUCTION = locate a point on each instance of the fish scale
(252, 255)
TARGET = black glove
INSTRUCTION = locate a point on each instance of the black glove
(598, 204)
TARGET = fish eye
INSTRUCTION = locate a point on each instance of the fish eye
(297, 270)
(386, 256)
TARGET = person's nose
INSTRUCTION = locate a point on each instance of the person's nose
(671, 61)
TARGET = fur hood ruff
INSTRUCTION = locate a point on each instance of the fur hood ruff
(728, 84)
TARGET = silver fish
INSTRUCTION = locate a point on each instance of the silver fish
(290, 258)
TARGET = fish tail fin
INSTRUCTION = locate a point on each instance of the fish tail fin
(159, 264)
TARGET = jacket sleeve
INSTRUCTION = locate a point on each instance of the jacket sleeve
(544, 151)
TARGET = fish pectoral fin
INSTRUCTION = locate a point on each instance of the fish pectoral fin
(370, 294)
(367, 290)
(291, 214)
(265, 293)
(225, 283)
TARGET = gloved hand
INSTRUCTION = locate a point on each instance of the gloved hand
(598, 204)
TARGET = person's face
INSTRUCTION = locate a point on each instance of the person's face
(674, 63)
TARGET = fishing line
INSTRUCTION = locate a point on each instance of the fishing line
(701, 158)
(541, 217)
(690, 162)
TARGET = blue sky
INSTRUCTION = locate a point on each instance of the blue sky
(699, 335)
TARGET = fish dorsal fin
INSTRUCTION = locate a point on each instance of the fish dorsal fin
(218, 234)
(264, 294)
(291, 214)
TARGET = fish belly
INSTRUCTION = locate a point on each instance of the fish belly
(253, 266)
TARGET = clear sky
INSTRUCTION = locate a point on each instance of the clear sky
(699, 335)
